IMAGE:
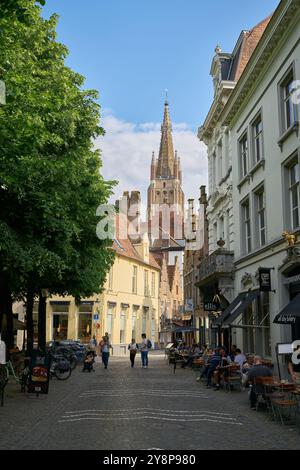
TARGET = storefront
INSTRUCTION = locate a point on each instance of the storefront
(290, 314)
(85, 312)
(246, 323)
(60, 320)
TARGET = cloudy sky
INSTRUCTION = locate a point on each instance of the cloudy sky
(127, 151)
(131, 51)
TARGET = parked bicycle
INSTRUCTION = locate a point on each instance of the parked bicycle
(60, 367)
(7, 370)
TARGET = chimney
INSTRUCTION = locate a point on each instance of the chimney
(134, 215)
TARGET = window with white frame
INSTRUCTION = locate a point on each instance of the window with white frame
(260, 217)
(110, 278)
(146, 283)
(153, 284)
(220, 159)
(123, 325)
(243, 153)
(288, 108)
(134, 280)
(246, 229)
(257, 135)
(294, 194)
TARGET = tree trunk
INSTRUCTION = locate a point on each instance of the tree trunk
(6, 318)
(29, 320)
(42, 322)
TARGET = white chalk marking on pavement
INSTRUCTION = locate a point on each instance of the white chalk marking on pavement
(187, 415)
(157, 418)
(158, 410)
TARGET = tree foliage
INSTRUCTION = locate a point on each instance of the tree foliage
(50, 181)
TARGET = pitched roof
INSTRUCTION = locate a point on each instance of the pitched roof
(126, 248)
(250, 40)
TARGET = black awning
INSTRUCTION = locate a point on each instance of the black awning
(289, 315)
(229, 310)
(241, 307)
(187, 329)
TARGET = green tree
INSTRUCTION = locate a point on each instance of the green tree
(50, 181)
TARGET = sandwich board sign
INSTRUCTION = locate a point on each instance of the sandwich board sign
(39, 374)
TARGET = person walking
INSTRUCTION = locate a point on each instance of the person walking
(133, 349)
(105, 346)
(145, 346)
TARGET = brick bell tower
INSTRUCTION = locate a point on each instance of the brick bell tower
(165, 194)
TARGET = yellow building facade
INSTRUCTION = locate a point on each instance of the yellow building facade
(127, 307)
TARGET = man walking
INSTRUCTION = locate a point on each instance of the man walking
(105, 345)
(145, 346)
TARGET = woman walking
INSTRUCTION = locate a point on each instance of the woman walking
(133, 349)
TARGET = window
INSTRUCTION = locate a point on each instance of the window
(134, 280)
(146, 283)
(220, 160)
(109, 319)
(243, 144)
(153, 285)
(261, 217)
(294, 194)
(214, 173)
(288, 108)
(85, 321)
(123, 325)
(246, 232)
(134, 318)
(110, 279)
(144, 320)
(60, 322)
(257, 132)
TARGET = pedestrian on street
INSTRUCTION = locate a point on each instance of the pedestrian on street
(145, 346)
(105, 347)
(133, 349)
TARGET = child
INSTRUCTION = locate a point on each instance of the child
(89, 361)
(133, 348)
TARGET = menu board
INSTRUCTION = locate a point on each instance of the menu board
(39, 373)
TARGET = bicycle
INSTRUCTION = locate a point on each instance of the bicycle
(60, 367)
(7, 370)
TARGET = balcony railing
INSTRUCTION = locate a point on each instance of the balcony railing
(219, 263)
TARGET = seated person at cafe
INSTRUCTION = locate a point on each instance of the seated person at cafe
(294, 369)
(240, 358)
(257, 370)
(215, 361)
(195, 353)
(206, 356)
(221, 369)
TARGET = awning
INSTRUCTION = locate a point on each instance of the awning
(289, 315)
(187, 329)
(235, 309)
(240, 308)
(229, 310)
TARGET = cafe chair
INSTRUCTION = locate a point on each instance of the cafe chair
(234, 378)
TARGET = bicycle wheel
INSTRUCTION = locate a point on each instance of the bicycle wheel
(73, 363)
(62, 374)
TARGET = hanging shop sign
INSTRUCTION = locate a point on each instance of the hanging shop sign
(211, 306)
(265, 279)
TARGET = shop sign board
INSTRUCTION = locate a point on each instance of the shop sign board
(265, 280)
(39, 374)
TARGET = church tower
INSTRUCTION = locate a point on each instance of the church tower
(165, 195)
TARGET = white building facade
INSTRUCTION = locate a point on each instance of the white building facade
(217, 270)
(263, 118)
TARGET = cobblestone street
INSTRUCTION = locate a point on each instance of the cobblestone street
(130, 409)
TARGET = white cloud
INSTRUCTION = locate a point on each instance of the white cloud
(127, 150)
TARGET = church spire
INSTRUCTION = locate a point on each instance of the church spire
(165, 166)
